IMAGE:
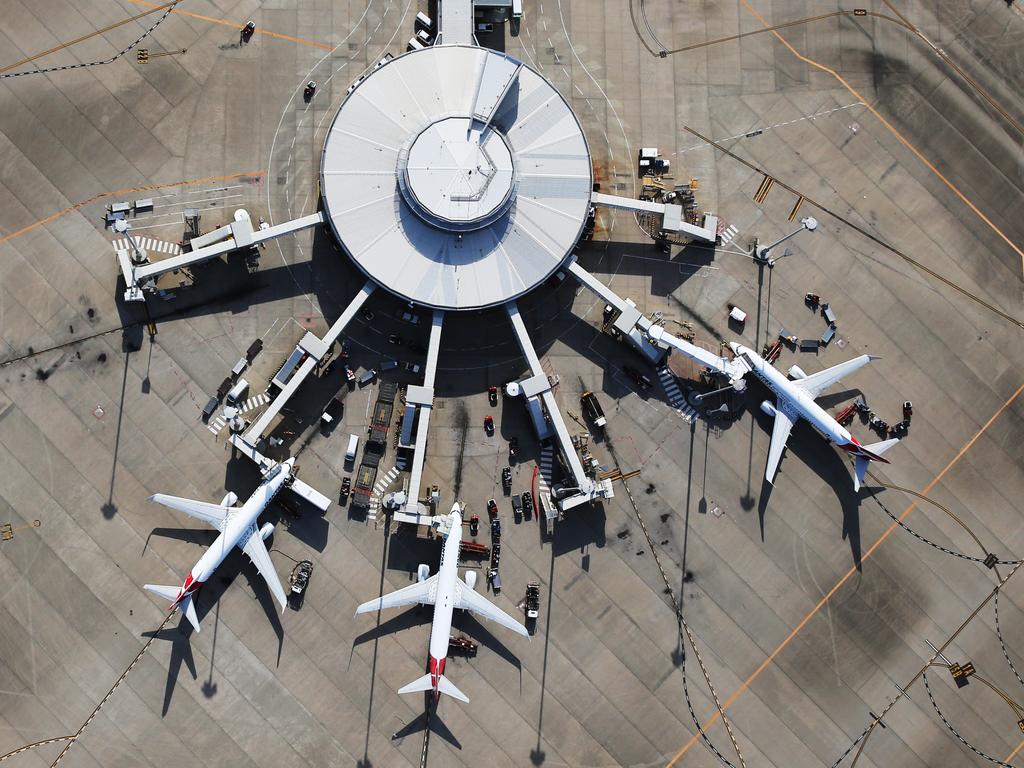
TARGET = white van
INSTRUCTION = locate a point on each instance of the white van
(353, 446)
(423, 21)
(517, 9)
(414, 45)
(237, 392)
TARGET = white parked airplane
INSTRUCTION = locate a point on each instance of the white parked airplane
(446, 592)
(237, 526)
(795, 400)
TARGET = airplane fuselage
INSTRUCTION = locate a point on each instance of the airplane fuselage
(238, 525)
(444, 603)
(794, 401)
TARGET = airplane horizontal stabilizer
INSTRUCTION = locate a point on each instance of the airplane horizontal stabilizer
(419, 684)
(868, 454)
(186, 606)
(169, 593)
(447, 687)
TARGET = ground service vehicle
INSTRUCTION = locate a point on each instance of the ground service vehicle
(461, 644)
(592, 409)
(237, 392)
(299, 580)
(346, 488)
(211, 406)
(474, 525)
(532, 601)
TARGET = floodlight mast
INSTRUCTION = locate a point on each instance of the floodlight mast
(121, 226)
(760, 255)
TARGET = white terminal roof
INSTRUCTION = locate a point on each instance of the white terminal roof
(456, 177)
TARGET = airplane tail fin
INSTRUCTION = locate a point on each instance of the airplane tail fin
(444, 685)
(186, 606)
(866, 455)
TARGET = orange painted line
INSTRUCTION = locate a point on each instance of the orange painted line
(950, 185)
(128, 191)
(821, 603)
(236, 25)
(1013, 754)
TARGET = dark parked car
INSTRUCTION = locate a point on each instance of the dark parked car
(638, 378)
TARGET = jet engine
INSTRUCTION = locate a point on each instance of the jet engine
(266, 530)
(230, 500)
(768, 408)
(471, 579)
(796, 372)
(422, 572)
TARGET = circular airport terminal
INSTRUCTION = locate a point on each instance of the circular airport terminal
(456, 177)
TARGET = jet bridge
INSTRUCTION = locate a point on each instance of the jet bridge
(734, 369)
(630, 323)
(652, 340)
(456, 22)
(423, 398)
(140, 274)
(671, 216)
(538, 386)
(315, 350)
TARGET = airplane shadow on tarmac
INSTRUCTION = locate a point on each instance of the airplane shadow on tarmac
(808, 447)
(429, 719)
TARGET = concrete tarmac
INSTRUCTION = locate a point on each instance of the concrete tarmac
(810, 607)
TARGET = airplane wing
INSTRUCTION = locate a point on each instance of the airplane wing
(422, 592)
(257, 552)
(780, 434)
(818, 382)
(213, 515)
(470, 600)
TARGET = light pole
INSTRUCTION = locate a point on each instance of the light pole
(761, 252)
(761, 256)
(739, 385)
(121, 226)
